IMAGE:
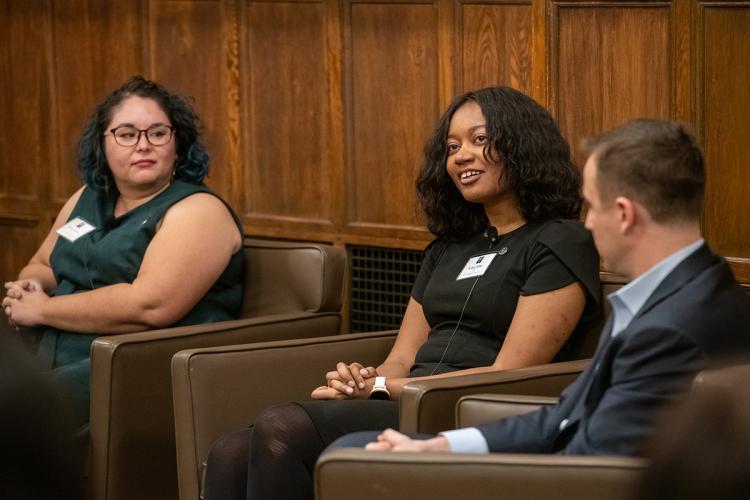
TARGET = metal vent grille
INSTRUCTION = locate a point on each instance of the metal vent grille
(382, 279)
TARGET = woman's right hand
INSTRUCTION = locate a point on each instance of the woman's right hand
(16, 290)
(345, 381)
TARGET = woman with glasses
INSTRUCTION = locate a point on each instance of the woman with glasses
(118, 255)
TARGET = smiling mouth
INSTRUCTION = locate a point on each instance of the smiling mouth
(470, 173)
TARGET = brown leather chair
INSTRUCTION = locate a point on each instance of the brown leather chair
(510, 476)
(218, 390)
(291, 290)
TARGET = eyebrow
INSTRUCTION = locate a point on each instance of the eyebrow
(128, 124)
(471, 129)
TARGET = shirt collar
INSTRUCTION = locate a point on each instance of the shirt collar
(629, 299)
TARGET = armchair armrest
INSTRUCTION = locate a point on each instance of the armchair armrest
(428, 405)
(132, 427)
(482, 408)
(220, 389)
(404, 476)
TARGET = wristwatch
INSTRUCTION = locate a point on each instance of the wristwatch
(379, 390)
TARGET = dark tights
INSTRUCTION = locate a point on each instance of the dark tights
(285, 447)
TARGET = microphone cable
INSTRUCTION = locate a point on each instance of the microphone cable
(492, 234)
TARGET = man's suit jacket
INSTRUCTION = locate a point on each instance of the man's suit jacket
(696, 316)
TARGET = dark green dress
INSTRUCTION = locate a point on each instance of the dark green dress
(112, 254)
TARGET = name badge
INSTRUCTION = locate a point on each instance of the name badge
(74, 229)
(476, 266)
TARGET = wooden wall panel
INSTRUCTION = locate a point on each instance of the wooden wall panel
(19, 236)
(316, 111)
(115, 27)
(192, 50)
(495, 42)
(724, 107)
(27, 143)
(393, 105)
(288, 177)
(610, 63)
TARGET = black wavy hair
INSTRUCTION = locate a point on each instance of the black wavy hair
(534, 157)
(192, 160)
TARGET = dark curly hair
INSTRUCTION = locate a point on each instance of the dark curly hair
(192, 160)
(534, 157)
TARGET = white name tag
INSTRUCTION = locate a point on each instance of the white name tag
(74, 229)
(476, 266)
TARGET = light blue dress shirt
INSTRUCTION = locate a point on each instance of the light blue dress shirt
(625, 304)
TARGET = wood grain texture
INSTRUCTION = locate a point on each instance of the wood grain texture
(27, 143)
(288, 176)
(116, 31)
(612, 63)
(20, 233)
(392, 107)
(190, 52)
(495, 42)
(724, 107)
(316, 111)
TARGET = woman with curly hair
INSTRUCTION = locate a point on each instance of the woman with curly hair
(116, 258)
(510, 278)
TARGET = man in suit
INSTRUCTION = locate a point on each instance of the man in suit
(682, 311)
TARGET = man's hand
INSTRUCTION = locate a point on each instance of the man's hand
(391, 440)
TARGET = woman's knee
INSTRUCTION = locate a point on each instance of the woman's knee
(230, 450)
(279, 429)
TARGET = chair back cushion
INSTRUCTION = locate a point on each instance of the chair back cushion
(290, 276)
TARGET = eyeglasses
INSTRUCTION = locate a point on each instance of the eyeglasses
(156, 135)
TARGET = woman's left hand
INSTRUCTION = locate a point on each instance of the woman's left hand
(327, 392)
(25, 309)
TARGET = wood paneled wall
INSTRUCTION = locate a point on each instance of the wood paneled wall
(316, 111)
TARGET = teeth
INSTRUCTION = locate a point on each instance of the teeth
(469, 173)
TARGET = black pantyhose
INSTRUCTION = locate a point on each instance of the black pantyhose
(285, 446)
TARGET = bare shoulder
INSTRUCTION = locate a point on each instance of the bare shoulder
(205, 204)
(204, 211)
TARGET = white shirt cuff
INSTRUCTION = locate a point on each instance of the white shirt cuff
(468, 440)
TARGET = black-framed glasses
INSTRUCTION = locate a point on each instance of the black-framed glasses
(156, 135)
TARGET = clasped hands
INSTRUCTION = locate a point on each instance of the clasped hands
(348, 381)
(354, 381)
(23, 302)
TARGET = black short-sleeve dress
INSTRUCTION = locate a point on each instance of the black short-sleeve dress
(476, 311)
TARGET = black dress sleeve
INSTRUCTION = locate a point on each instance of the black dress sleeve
(564, 253)
(432, 254)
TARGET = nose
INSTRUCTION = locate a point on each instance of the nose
(463, 155)
(142, 140)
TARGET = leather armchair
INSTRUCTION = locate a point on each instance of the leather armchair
(291, 290)
(346, 472)
(510, 476)
(219, 390)
(396, 476)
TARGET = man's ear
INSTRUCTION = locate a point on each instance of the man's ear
(627, 213)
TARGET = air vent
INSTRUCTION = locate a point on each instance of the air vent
(382, 279)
